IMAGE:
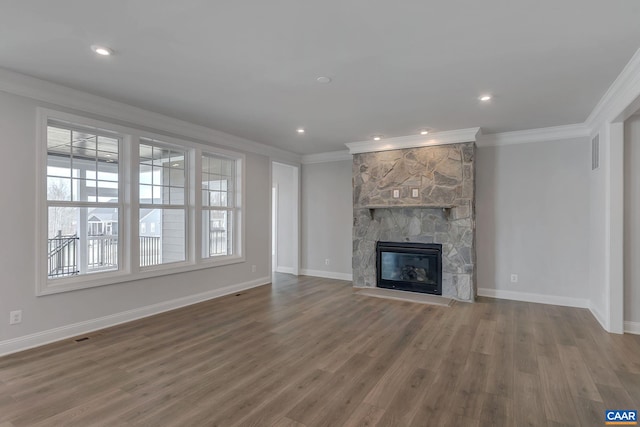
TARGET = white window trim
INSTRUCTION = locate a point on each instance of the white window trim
(129, 267)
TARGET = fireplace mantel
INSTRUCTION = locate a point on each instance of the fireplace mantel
(372, 208)
(423, 206)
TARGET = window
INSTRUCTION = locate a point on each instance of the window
(83, 201)
(162, 200)
(120, 204)
(219, 206)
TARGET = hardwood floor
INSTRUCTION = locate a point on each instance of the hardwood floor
(309, 352)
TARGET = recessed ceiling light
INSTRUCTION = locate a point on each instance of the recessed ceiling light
(102, 50)
(485, 98)
(424, 132)
(377, 138)
(323, 79)
(300, 130)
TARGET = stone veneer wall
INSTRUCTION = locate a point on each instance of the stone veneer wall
(443, 213)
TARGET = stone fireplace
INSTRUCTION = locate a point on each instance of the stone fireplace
(422, 195)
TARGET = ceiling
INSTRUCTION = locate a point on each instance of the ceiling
(249, 68)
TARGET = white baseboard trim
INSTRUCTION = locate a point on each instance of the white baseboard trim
(632, 327)
(287, 270)
(537, 298)
(599, 317)
(326, 274)
(26, 342)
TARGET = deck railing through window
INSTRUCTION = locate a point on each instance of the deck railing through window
(62, 256)
(217, 241)
(149, 250)
(102, 254)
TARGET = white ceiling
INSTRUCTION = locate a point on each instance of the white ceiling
(249, 68)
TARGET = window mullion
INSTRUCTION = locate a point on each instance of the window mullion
(132, 200)
(83, 243)
(161, 206)
(195, 191)
(68, 204)
(238, 217)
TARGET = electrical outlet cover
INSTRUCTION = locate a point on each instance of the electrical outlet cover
(15, 317)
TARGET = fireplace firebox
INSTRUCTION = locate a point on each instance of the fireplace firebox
(407, 266)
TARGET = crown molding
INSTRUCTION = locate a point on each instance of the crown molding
(414, 141)
(329, 156)
(621, 100)
(555, 133)
(83, 102)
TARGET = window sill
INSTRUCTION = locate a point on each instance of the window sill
(51, 287)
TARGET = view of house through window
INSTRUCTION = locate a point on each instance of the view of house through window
(83, 202)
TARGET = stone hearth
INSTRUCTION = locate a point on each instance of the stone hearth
(443, 212)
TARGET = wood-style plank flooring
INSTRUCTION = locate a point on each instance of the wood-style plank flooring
(309, 352)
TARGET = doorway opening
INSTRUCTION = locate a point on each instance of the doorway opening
(285, 218)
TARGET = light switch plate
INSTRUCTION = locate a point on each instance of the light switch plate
(415, 192)
(395, 193)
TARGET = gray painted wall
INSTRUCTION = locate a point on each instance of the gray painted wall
(631, 220)
(18, 224)
(532, 213)
(533, 217)
(283, 177)
(598, 225)
(327, 210)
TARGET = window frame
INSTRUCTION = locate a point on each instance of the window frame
(161, 143)
(128, 178)
(86, 204)
(235, 209)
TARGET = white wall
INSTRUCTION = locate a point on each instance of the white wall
(533, 220)
(81, 308)
(598, 292)
(632, 220)
(284, 179)
(327, 219)
(606, 240)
